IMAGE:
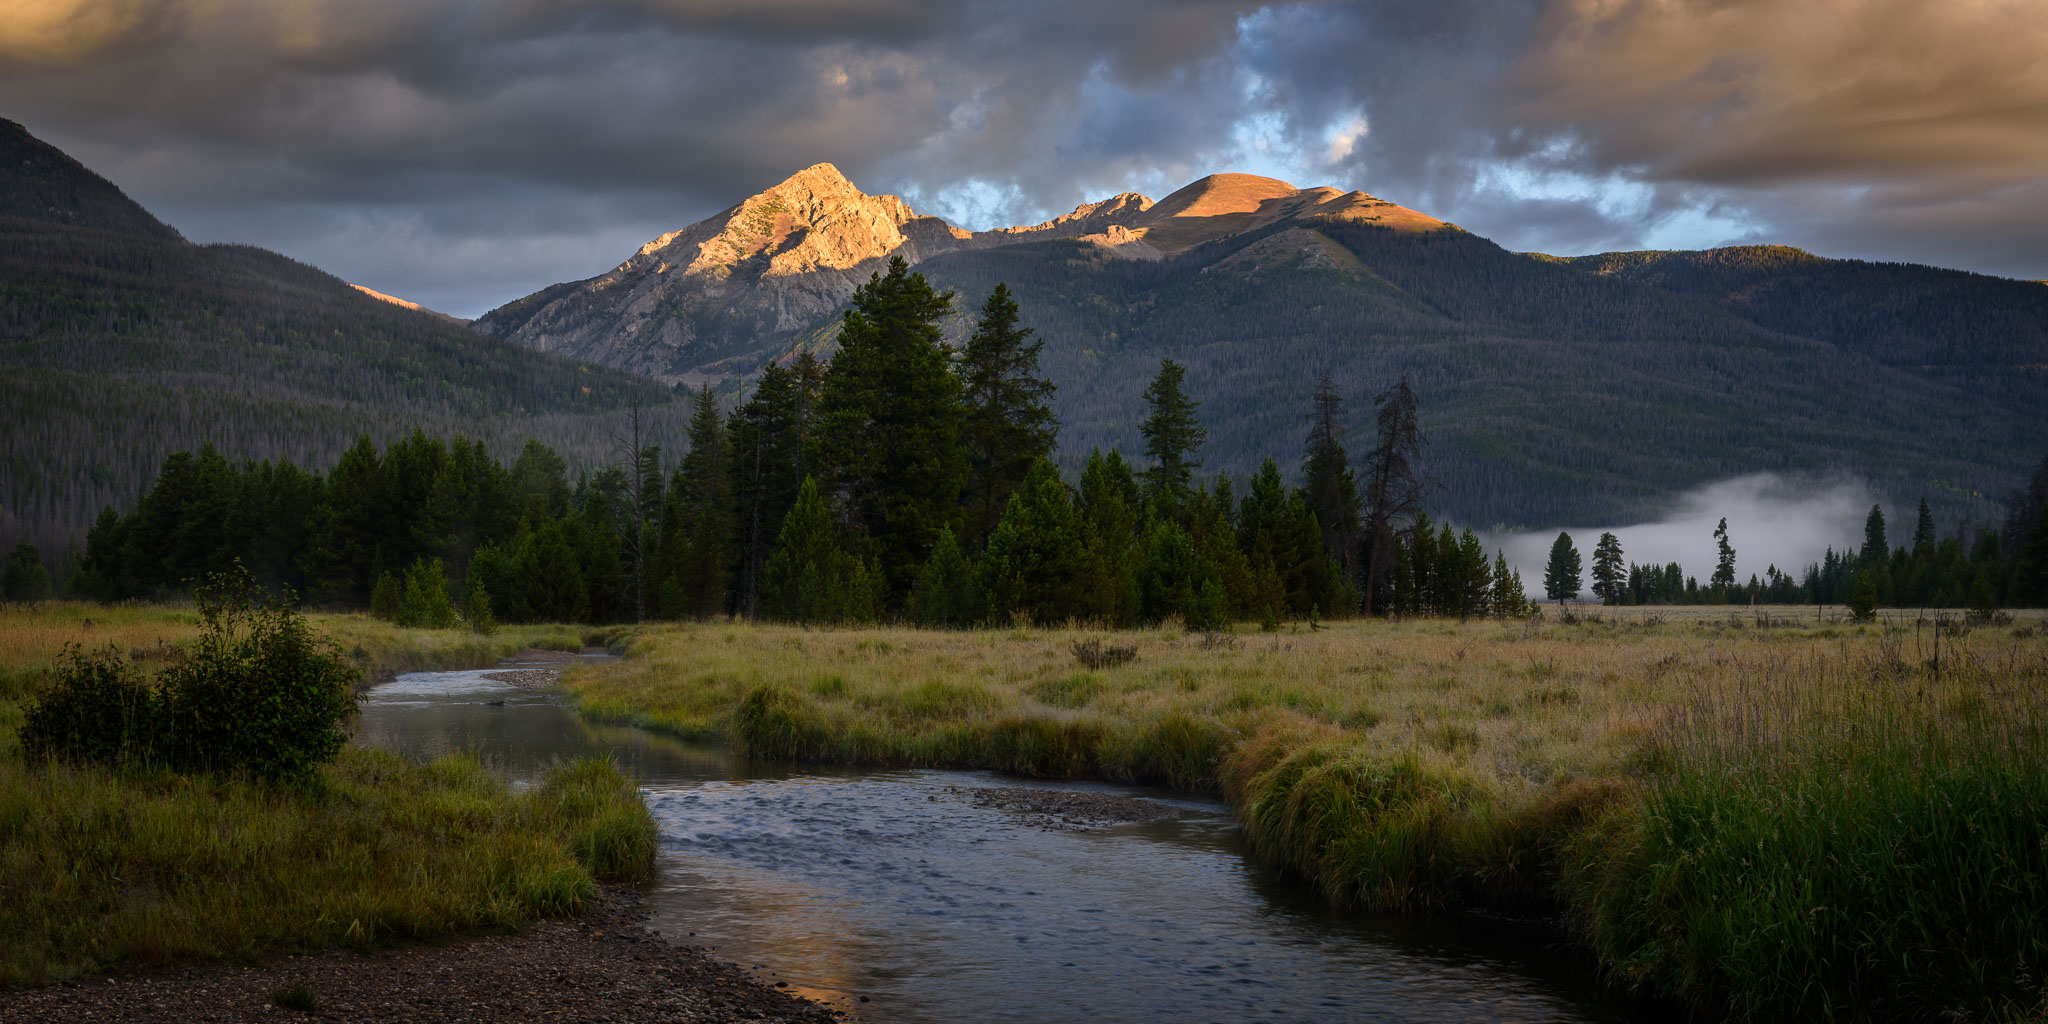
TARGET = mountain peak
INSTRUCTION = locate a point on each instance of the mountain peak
(38, 181)
(818, 178)
(1221, 195)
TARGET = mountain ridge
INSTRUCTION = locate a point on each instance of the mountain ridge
(121, 342)
(756, 277)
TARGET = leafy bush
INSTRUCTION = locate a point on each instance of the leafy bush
(99, 710)
(258, 692)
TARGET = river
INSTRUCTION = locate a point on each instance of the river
(894, 895)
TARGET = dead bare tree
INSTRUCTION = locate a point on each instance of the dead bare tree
(1395, 483)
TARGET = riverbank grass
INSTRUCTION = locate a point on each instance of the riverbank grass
(1769, 820)
(136, 865)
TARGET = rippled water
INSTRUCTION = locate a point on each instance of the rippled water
(893, 886)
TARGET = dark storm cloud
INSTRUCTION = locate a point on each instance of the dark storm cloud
(463, 152)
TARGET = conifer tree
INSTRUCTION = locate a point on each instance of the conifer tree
(1876, 552)
(1923, 530)
(476, 608)
(1109, 523)
(1475, 577)
(946, 594)
(1332, 488)
(1508, 599)
(810, 577)
(1174, 580)
(1173, 433)
(1261, 524)
(1561, 580)
(26, 579)
(1034, 565)
(1608, 581)
(889, 421)
(1009, 424)
(1724, 563)
(765, 452)
(425, 602)
(539, 483)
(703, 501)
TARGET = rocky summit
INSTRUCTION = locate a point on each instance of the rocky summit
(725, 294)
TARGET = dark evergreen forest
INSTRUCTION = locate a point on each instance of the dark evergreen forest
(907, 479)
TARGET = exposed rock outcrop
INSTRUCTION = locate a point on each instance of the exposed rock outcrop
(725, 294)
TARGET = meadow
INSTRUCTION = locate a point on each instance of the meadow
(139, 865)
(1761, 815)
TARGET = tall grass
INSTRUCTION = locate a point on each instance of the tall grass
(1766, 820)
(1852, 840)
(140, 865)
(32, 637)
(99, 867)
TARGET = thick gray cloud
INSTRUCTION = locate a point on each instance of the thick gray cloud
(463, 152)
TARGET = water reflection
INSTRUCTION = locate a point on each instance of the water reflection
(895, 887)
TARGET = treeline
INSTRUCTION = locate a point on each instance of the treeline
(1998, 568)
(117, 349)
(900, 480)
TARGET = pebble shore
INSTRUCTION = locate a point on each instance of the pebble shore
(602, 966)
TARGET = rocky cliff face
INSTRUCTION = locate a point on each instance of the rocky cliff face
(725, 294)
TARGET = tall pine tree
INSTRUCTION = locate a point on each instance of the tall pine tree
(703, 503)
(1332, 488)
(889, 421)
(1561, 578)
(1173, 433)
(1009, 424)
(1609, 583)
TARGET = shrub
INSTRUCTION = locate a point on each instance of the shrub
(1097, 655)
(100, 710)
(257, 693)
(298, 996)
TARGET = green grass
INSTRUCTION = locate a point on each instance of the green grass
(1765, 823)
(132, 866)
(99, 868)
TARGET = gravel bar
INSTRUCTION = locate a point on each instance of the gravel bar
(1062, 810)
(601, 966)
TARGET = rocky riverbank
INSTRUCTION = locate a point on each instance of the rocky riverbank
(602, 966)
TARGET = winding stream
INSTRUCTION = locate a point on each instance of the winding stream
(892, 894)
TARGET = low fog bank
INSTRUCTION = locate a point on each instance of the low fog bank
(1772, 520)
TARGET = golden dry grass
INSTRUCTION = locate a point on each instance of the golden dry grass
(1525, 707)
(1753, 814)
(32, 637)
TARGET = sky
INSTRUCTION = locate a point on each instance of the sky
(463, 153)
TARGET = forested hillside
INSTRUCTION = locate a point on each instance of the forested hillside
(120, 343)
(1550, 395)
(1962, 326)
